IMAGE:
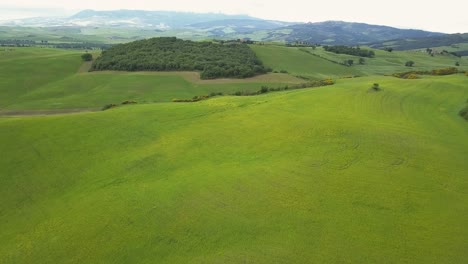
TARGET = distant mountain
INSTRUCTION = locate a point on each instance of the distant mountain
(241, 26)
(421, 43)
(344, 33)
(145, 24)
(127, 18)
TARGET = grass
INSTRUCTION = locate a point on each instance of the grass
(56, 79)
(326, 175)
(392, 62)
(300, 63)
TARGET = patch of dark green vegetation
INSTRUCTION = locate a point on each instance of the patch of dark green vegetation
(231, 60)
(263, 90)
(126, 102)
(375, 88)
(355, 51)
(108, 106)
(464, 112)
(87, 57)
(437, 72)
(266, 89)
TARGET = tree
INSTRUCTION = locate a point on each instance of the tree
(457, 63)
(87, 57)
(409, 64)
(362, 61)
(389, 49)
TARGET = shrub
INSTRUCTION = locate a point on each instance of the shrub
(464, 113)
(87, 57)
(129, 102)
(412, 76)
(445, 71)
(264, 89)
(409, 64)
(283, 71)
(376, 87)
(108, 106)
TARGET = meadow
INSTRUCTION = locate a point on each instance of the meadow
(335, 174)
(319, 64)
(56, 79)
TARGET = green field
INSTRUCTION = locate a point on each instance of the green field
(300, 61)
(52, 79)
(336, 174)
(393, 62)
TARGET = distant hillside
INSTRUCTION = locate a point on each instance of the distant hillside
(127, 18)
(427, 42)
(172, 54)
(344, 33)
(127, 25)
(229, 26)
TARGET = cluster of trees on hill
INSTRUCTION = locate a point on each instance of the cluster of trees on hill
(172, 54)
(16, 43)
(350, 51)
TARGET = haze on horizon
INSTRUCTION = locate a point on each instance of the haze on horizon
(417, 14)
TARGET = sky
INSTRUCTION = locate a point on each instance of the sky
(439, 16)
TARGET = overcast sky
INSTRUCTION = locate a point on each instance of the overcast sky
(449, 17)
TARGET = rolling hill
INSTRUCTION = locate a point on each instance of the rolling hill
(128, 25)
(426, 42)
(335, 174)
(343, 33)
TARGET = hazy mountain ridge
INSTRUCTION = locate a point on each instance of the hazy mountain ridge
(126, 18)
(434, 41)
(345, 33)
(221, 26)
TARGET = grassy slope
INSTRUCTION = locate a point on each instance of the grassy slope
(326, 175)
(25, 69)
(300, 63)
(53, 79)
(392, 62)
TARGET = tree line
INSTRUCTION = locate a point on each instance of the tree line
(42, 43)
(350, 51)
(213, 60)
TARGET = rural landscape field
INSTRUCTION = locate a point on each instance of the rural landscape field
(232, 140)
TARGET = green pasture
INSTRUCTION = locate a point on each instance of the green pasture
(386, 62)
(338, 174)
(297, 62)
(35, 78)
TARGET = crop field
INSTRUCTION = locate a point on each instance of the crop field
(297, 62)
(393, 62)
(337, 174)
(54, 79)
(333, 174)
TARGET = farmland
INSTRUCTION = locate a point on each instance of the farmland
(335, 174)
